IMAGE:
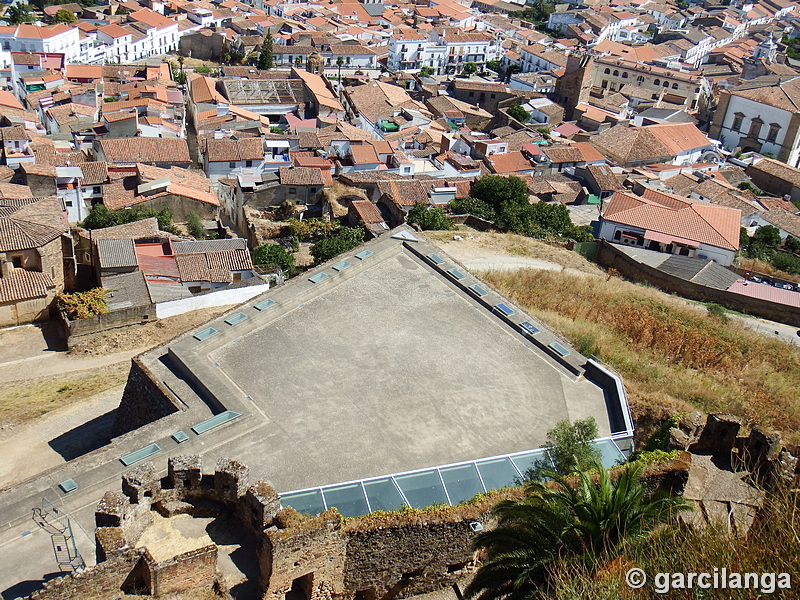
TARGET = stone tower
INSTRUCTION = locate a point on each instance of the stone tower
(573, 87)
(315, 63)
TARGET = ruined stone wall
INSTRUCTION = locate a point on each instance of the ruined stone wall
(312, 552)
(192, 570)
(101, 581)
(143, 401)
(410, 553)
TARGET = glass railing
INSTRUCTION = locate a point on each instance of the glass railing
(447, 484)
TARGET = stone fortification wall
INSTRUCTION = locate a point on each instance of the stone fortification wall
(377, 556)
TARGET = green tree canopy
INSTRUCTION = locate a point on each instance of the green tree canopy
(99, 217)
(195, 225)
(584, 522)
(265, 59)
(495, 190)
(469, 68)
(425, 72)
(273, 255)
(346, 238)
(569, 449)
(766, 236)
(19, 13)
(428, 218)
(473, 206)
(519, 113)
(65, 16)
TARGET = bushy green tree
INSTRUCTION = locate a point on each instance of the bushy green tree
(551, 217)
(744, 238)
(792, 244)
(343, 240)
(473, 206)
(195, 225)
(64, 16)
(273, 255)
(429, 218)
(764, 242)
(425, 72)
(495, 190)
(519, 113)
(580, 233)
(565, 523)
(19, 13)
(469, 68)
(568, 449)
(99, 217)
(494, 65)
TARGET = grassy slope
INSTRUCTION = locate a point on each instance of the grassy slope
(672, 356)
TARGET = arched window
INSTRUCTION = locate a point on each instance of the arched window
(607, 71)
(625, 75)
(616, 73)
(674, 86)
(665, 84)
(657, 82)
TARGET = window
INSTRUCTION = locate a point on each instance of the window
(292, 190)
(68, 203)
(737, 122)
(616, 73)
(666, 84)
(674, 86)
(231, 165)
(657, 82)
(248, 163)
(492, 96)
(96, 189)
(640, 79)
(625, 75)
(755, 127)
(471, 94)
(17, 261)
(607, 71)
(604, 84)
(772, 136)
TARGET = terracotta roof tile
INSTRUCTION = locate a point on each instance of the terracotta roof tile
(20, 284)
(697, 221)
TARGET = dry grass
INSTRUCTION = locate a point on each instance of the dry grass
(670, 355)
(22, 401)
(515, 245)
(772, 546)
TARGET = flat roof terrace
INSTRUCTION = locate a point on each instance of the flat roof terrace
(382, 364)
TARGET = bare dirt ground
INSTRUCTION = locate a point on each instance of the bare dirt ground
(480, 251)
(46, 391)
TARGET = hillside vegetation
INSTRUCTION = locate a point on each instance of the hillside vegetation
(672, 356)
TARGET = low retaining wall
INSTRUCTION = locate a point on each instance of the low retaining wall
(80, 329)
(610, 257)
(220, 298)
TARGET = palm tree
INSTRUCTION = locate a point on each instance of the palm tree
(585, 522)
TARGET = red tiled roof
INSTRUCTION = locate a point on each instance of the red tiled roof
(20, 284)
(709, 224)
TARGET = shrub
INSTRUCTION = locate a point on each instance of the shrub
(519, 113)
(429, 218)
(569, 449)
(202, 69)
(273, 255)
(473, 206)
(100, 217)
(345, 239)
(195, 226)
(82, 305)
(309, 229)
